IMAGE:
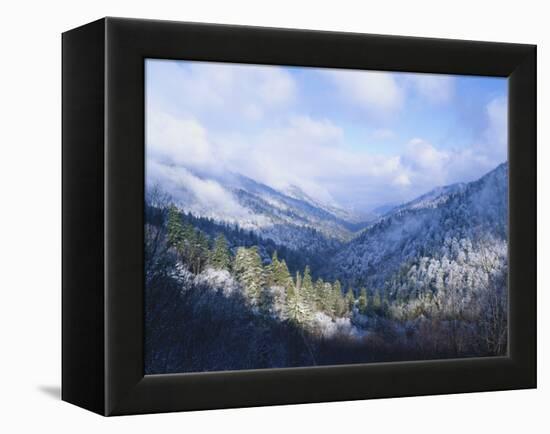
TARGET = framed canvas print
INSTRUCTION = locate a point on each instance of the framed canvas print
(257, 216)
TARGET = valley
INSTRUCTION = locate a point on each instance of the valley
(424, 279)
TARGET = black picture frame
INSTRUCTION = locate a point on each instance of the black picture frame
(103, 192)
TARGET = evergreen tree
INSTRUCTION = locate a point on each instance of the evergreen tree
(307, 287)
(271, 271)
(298, 310)
(191, 245)
(338, 302)
(294, 307)
(319, 294)
(174, 228)
(277, 276)
(198, 251)
(188, 235)
(377, 302)
(327, 299)
(362, 302)
(220, 257)
(350, 299)
(239, 264)
(298, 284)
(274, 295)
(283, 278)
(186, 246)
(337, 287)
(250, 272)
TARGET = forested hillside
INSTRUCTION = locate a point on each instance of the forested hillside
(425, 280)
(458, 226)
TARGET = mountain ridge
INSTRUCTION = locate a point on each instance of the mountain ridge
(365, 248)
(472, 213)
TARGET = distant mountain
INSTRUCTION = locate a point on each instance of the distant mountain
(293, 207)
(347, 216)
(449, 225)
(432, 199)
(290, 218)
(384, 209)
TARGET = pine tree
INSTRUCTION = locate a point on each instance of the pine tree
(377, 302)
(338, 303)
(307, 287)
(250, 272)
(298, 310)
(174, 228)
(188, 235)
(294, 307)
(275, 293)
(239, 264)
(337, 287)
(298, 284)
(350, 299)
(362, 302)
(282, 277)
(187, 245)
(190, 245)
(220, 257)
(319, 294)
(198, 247)
(327, 299)
(271, 271)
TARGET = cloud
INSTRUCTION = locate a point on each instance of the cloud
(181, 141)
(202, 196)
(402, 180)
(384, 94)
(376, 92)
(306, 152)
(426, 166)
(383, 134)
(311, 154)
(435, 88)
(318, 131)
(267, 123)
(222, 90)
(291, 154)
(422, 155)
(496, 132)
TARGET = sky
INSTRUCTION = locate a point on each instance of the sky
(351, 138)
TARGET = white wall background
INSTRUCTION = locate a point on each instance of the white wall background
(30, 217)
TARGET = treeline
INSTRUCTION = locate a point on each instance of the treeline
(270, 288)
(156, 214)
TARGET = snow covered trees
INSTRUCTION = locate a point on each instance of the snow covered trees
(278, 274)
(431, 276)
(350, 300)
(191, 245)
(362, 301)
(460, 287)
(307, 289)
(250, 273)
(269, 289)
(299, 310)
(174, 227)
(220, 258)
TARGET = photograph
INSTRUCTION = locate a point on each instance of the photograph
(275, 217)
(304, 216)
